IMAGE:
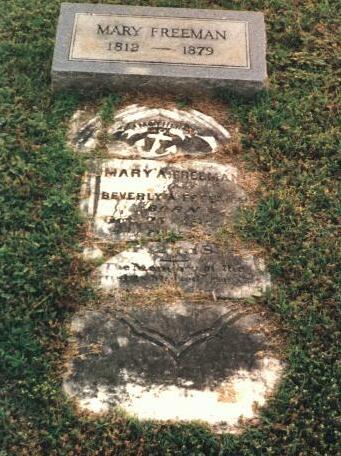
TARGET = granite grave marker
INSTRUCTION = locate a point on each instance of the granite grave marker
(161, 172)
(158, 49)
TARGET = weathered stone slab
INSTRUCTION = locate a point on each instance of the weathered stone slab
(152, 133)
(186, 361)
(158, 48)
(132, 199)
(195, 267)
(84, 130)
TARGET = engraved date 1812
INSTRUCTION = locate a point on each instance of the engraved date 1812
(123, 47)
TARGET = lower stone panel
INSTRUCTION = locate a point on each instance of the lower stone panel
(183, 361)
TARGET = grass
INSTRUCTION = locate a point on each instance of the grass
(290, 134)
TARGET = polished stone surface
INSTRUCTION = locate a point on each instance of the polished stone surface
(204, 42)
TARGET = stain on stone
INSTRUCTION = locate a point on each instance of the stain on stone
(186, 347)
(155, 355)
(85, 133)
(185, 360)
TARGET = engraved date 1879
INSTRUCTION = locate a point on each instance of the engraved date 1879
(198, 50)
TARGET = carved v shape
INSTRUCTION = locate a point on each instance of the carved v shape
(178, 349)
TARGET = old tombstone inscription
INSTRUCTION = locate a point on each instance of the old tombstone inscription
(130, 199)
(158, 133)
(158, 174)
(152, 195)
(194, 267)
(158, 48)
(151, 133)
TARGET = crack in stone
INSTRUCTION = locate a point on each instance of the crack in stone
(96, 194)
(177, 349)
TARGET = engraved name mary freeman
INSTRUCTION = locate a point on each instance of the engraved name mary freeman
(113, 37)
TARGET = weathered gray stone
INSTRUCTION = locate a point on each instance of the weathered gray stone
(84, 131)
(134, 199)
(207, 361)
(158, 49)
(195, 267)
